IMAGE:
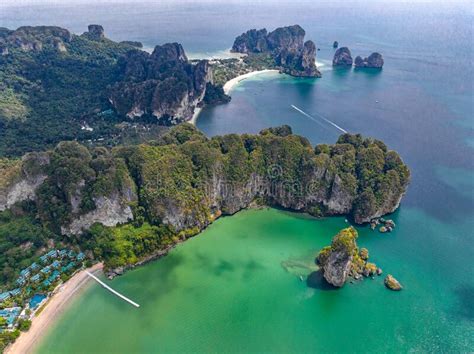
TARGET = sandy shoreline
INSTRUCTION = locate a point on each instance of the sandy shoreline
(229, 85)
(27, 341)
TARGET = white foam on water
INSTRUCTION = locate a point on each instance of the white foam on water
(319, 115)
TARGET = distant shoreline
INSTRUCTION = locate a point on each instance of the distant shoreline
(55, 306)
(229, 85)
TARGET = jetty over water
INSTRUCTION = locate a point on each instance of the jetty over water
(112, 290)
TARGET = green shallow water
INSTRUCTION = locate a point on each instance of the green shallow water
(236, 288)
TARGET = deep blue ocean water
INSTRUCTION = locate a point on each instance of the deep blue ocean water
(420, 104)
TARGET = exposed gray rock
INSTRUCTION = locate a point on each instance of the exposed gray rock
(29, 38)
(287, 47)
(23, 184)
(392, 283)
(110, 211)
(375, 60)
(252, 41)
(95, 32)
(164, 84)
(342, 57)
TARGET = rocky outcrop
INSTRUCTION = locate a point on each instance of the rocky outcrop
(343, 259)
(163, 84)
(335, 44)
(22, 179)
(392, 283)
(109, 211)
(29, 38)
(286, 45)
(336, 260)
(252, 41)
(375, 60)
(95, 32)
(342, 57)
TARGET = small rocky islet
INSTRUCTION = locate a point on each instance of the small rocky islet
(343, 260)
(343, 58)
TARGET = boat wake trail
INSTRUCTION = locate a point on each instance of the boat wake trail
(320, 116)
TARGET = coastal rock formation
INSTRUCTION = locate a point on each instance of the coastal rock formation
(343, 259)
(335, 44)
(375, 60)
(286, 45)
(306, 181)
(172, 189)
(392, 283)
(163, 84)
(35, 39)
(342, 57)
(252, 41)
(95, 32)
(336, 260)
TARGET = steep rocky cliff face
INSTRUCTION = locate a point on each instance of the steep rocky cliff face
(282, 170)
(375, 60)
(287, 46)
(21, 178)
(184, 181)
(163, 84)
(71, 187)
(343, 259)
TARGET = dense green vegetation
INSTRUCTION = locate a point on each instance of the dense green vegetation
(226, 69)
(179, 183)
(22, 237)
(47, 95)
(127, 244)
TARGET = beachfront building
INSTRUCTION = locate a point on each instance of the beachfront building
(21, 281)
(35, 278)
(15, 292)
(46, 270)
(34, 266)
(25, 273)
(4, 296)
(10, 315)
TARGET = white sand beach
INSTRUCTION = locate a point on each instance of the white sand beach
(229, 85)
(55, 306)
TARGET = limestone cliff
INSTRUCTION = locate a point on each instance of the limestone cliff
(343, 259)
(163, 84)
(184, 181)
(21, 178)
(286, 45)
(283, 170)
(342, 57)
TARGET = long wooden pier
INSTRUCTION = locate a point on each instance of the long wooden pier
(112, 290)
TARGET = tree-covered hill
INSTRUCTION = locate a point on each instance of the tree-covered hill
(126, 203)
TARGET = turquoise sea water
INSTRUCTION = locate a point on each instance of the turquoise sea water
(226, 290)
